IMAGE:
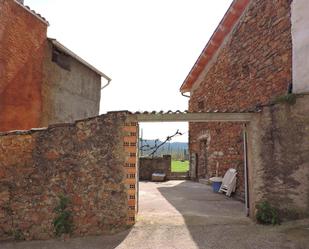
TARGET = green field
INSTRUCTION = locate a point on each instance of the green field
(178, 166)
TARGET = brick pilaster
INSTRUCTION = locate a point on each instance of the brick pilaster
(130, 143)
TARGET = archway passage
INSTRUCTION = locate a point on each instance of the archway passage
(243, 117)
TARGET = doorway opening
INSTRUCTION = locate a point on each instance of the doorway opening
(186, 186)
(201, 165)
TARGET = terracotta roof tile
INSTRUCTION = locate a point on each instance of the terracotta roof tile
(224, 28)
(27, 8)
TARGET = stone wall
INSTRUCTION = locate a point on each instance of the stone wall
(219, 146)
(68, 93)
(253, 66)
(148, 166)
(85, 161)
(22, 43)
(279, 158)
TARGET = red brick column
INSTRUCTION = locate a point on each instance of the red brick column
(130, 143)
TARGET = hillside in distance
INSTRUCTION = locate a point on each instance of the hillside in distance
(178, 150)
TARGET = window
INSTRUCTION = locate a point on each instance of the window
(61, 59)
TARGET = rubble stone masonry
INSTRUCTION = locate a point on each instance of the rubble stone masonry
(253, 66)
(85, 161)
(150, 165)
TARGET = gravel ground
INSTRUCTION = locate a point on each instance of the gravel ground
(185, 215)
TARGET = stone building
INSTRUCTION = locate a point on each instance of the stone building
(246, 64)
(41, 81)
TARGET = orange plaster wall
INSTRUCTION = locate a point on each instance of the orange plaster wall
(22, 42)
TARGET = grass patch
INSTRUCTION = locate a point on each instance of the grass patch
(266, 214)
(63, 222)
(179, 166)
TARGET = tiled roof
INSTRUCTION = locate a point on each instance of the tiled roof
(203, 116)
(224, 28)
(27, 8)
(251, 110)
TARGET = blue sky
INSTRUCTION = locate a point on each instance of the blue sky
(147, 47)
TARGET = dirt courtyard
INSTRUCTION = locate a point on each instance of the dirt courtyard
(185, 215)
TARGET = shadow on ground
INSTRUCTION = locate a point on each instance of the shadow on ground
(216, 221)
(90, 242)
(207, 215)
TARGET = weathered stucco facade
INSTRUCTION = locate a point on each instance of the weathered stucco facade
(69, 92)
(87, 162)
(279, 158)
(252, 67)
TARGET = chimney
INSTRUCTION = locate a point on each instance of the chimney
(20, 1)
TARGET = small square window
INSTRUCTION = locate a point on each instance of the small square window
(61, 59)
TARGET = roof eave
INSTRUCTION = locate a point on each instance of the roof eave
(32, 12)
(224, 28)
(64, 49)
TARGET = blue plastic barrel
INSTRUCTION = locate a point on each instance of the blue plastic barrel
(216, 186)
(216, 183)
